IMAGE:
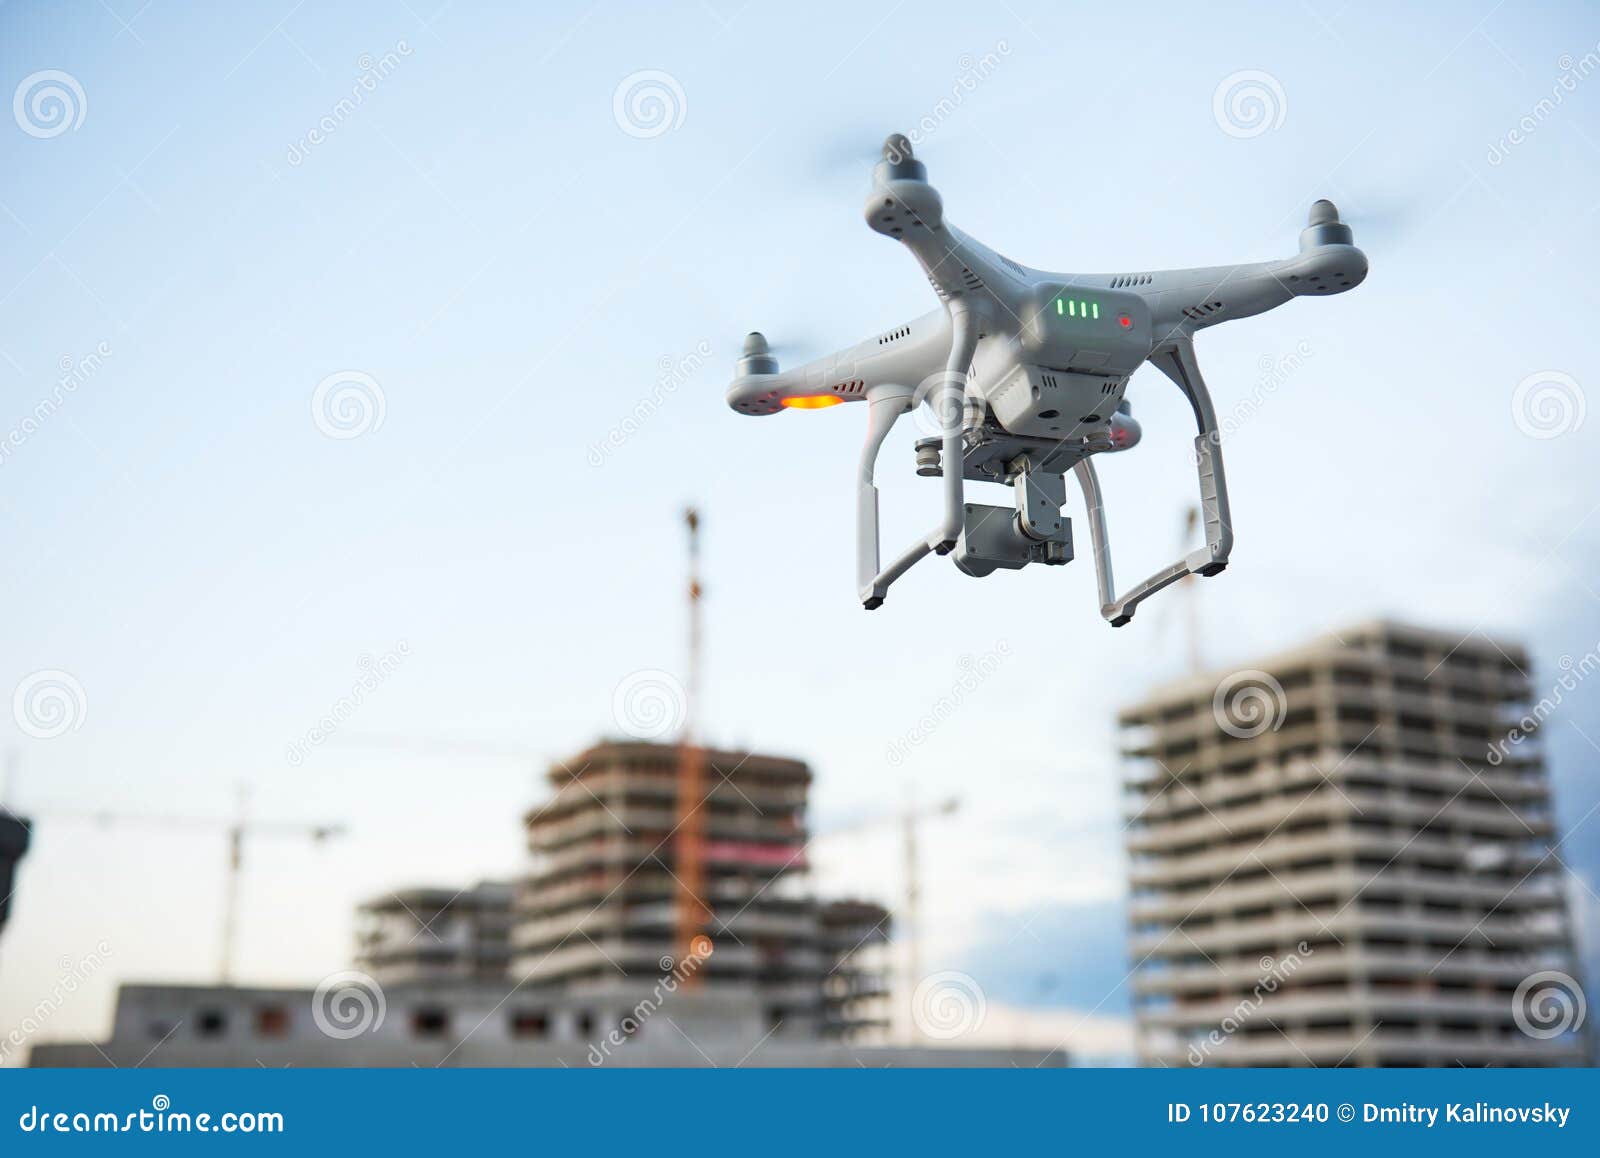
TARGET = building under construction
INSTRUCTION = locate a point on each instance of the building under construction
(667, 909)
(434, 934)
(1338, 857)
(584, 959)
(603, 902)
(606, 895)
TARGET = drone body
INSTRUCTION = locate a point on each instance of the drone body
(1024, 372)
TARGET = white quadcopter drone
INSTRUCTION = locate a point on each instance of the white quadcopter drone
(1024, 372)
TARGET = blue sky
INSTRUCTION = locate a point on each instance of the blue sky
(482, 238)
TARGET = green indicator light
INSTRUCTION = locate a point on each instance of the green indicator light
(1059, 310)
(1096, 309)
(1072, 308)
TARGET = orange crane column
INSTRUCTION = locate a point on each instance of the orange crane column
(689, 845)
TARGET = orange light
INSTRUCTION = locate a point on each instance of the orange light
(811, 401)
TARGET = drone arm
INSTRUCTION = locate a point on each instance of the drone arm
(1328, 263)
(904, 207)
(887, 404)
(1177, 361)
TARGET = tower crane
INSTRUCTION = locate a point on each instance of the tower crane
(691, 913)
(235, 829)
(909, 817)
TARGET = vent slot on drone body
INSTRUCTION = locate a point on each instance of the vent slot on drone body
(971, 280)
(1127, 279)
(1205, 309)
(895, 335)
(853, 388)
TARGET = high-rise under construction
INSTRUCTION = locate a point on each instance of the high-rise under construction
(1346, 855)
(603, 900)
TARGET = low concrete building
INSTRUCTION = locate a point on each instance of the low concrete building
(352, 1021)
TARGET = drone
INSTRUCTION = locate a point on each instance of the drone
(1023, 374)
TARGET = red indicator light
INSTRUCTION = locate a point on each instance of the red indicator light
(1125, 322)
